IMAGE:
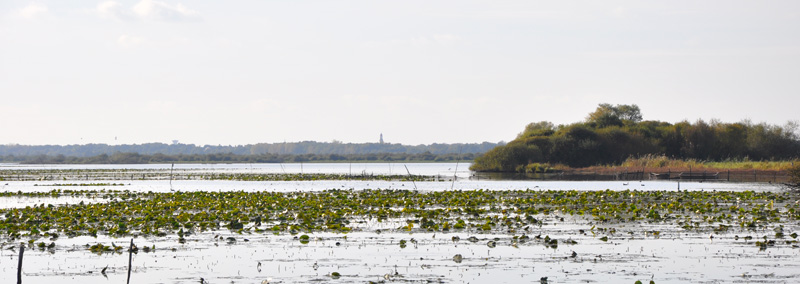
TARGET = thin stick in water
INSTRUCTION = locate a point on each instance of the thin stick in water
(19, 267)
(456, 171)
(130, 262)
(170, 175)
(410, 176)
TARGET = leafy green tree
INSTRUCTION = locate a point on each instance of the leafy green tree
(729, 141)
(630, 113)
(607, 115)
(542, 128)
(619, 144)
(509, 158)
(699, 140)
(577, 146)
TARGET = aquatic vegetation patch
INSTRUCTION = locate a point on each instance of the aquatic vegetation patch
(81, 184)
(519, 212)
(313, 177)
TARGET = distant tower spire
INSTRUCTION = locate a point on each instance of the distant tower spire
(381, 138)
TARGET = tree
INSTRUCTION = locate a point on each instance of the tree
(577, 146)
(601, 111)
(608, 120)
(630, 113)
(542, 128)
(699, 141)
(607, 115)
(508, 158)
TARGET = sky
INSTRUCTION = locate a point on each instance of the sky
(420, 72)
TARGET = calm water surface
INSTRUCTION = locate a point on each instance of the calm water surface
(445, 172)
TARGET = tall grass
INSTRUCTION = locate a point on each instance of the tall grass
(661, 161)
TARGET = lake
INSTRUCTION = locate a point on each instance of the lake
(632, 251)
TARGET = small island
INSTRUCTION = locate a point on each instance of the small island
(616, 136)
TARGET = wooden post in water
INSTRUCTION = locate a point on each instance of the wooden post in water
(19, 266)
(729, 175)
(130, 261)
(755, 176)
(642, 173)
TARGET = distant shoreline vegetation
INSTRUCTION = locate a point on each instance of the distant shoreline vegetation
(614, 136)
(135, 158)
(287, 148)
(291, 152)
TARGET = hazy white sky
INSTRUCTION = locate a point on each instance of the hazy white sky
(241, 72)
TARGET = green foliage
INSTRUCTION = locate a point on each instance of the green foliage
(182, 214)
(542, 128)
(513, 157)
(614, 134)
(608, 115)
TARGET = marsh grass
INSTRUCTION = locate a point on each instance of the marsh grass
(661, 161)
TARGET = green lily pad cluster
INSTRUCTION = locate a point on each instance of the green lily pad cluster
(126, 213)
(82, 184)
(99, 248)
(313, 177)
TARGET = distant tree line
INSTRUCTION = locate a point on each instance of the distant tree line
(611, 134)
(136, 158)
(310, 147)
(293, 148)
